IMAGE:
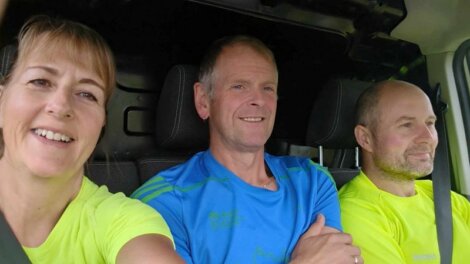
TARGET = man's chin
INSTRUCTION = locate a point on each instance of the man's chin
(420, 173)
(421, 167)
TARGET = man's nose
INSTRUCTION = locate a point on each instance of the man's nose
(427, 133)
(257, 97)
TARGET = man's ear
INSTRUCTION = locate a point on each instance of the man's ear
(363, 137)
(201, 100)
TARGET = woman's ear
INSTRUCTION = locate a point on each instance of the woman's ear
(2, 88)
(363, 137)
(105, 118)
(201, 100)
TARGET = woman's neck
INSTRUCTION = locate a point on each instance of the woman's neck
(33, 205)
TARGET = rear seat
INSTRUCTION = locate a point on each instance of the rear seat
(331, 127)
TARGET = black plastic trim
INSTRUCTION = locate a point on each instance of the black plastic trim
(461, 83)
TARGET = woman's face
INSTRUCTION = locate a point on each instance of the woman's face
(52, 111)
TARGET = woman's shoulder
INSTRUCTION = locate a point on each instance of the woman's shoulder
(115, 218)
(98, 202)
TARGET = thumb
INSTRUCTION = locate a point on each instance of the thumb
(316, 228)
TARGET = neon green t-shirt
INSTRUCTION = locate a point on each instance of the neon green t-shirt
(393, 229)
(95, 226)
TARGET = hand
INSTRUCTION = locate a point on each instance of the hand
(321, 244)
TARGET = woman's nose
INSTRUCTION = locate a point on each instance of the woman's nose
(59, 104)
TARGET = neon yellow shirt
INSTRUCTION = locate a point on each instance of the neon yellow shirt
(95, 226)
(393, 229)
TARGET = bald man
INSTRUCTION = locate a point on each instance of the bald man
(387, 210)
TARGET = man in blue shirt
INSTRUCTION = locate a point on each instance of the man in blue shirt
(234, 203)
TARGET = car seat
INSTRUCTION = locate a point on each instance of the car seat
(331, 127)
(180, 132)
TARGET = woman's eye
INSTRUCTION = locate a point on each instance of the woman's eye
(88, 96)
(40, 83)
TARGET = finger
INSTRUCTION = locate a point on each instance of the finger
(316, 228)
(354, 251)
(349, 252)
(358, 259)
(345, 238)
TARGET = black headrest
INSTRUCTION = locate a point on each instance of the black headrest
(7, 58)
(178, 125)
(331, 122)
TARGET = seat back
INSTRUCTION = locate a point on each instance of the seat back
(129, 127)
(331, 126)
(179, 125)
(180, 132)
(118, 176)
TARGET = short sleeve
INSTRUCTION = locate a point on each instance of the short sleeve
(370, 232)
(461, 206)
(125, 219)
(327, 202)
(168, 204)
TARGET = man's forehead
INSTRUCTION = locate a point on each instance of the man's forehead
(405, 110)
(404, 103)
(398, 93)
(411, 117)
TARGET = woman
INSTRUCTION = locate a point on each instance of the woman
(52, 109)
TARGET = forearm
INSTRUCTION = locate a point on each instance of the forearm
(151, 248)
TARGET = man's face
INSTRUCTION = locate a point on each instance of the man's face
(243, 106)
(404, 137)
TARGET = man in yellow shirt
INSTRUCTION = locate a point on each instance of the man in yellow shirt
(390, 213)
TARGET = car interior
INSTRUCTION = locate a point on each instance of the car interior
(326, 51)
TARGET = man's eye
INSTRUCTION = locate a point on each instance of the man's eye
(431, 123)
(88, 96)
(40, 83)
(406, 125)
(269, 89)
(237, 86)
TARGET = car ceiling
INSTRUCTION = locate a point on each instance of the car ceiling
(436, 26)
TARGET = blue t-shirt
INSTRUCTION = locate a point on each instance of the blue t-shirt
(215, 217)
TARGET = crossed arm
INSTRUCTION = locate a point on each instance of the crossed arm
(323, 244)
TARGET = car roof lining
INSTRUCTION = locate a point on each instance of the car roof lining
(447, 29)
(287, 13)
